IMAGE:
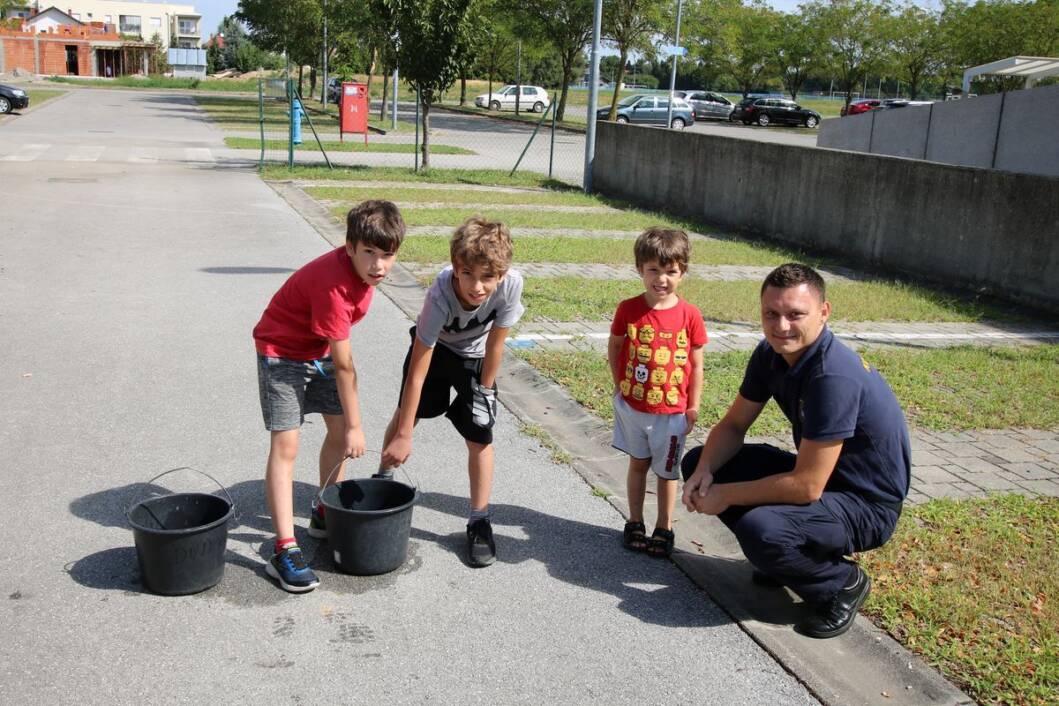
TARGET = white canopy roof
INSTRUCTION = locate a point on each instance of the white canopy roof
(1033, 68)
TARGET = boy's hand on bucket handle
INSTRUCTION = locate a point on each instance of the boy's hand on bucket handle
(397, 451)
(355, 443)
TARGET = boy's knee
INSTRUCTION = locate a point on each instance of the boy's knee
(284, 443)
(475, 447)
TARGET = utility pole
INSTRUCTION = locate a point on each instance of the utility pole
(673, 74)
(518, 75)
(325, 57)
(393, 112)
(593, 96)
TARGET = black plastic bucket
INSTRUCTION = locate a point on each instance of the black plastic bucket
(181, 540)
(368, 523)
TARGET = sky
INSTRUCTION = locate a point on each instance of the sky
(212, 11)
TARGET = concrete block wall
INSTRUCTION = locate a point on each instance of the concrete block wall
(1013, 131)
(972, 228)
(19, 53)
(44, 55)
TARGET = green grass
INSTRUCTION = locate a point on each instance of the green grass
(454, 196)
(41, 95)
(155, 82)
(244, 114)
(585, 376)
(352, 145)
(629, 220)
(971, 586)
(609, 251)
(574, 298)
(1012, 388)
(435, 175)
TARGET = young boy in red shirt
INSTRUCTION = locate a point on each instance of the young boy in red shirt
(655, 355)
(304, 365)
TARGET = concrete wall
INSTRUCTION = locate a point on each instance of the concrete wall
(1013, 131)
(964, 227)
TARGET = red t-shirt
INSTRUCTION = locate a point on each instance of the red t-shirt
(321, 301)
(657, 353)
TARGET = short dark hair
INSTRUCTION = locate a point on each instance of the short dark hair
(793, 274)
(666, 245)
(376, 223)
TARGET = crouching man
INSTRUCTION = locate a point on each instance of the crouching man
(799, 516)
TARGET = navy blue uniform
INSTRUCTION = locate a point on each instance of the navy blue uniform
(830, 393)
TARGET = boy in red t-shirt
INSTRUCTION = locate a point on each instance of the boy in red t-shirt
(304, 365)
(655, 356)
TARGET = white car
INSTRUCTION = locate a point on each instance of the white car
(533, 98)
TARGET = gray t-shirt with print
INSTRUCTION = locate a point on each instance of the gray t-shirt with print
(443, 319)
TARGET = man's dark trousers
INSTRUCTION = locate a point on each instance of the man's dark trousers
(802, 546)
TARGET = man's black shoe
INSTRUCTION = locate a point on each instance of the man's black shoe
(481, 549)
(834, 617)
(760, 578)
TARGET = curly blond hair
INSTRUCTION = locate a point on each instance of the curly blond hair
(482, 242)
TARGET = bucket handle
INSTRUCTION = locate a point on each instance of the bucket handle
(173, 470)
(331, 475)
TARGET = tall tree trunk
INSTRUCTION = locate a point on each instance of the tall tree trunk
(371, 70)
(463, 87)
(312, 81)
(623, 54)
(426, 134)
(385, 85)
(301, 70)
(490, 87)
(568, 70)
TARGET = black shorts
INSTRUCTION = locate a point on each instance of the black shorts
(448, 371)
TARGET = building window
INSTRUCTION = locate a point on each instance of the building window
(156, 21)
(109, 19)
(129, 24)
(187, 27)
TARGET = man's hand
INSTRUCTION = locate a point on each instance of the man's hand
(692, 416)
(355, 443)
(397, 451)
(713, 503)
(696, 487)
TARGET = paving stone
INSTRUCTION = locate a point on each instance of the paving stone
(991, 482)
(1014, 455)
(1038, 434)
(976, 465)
(1029, 471)
(952, 436)
(933, 474)
(958, 449)
(935, 490)
(1042, 487)
(1050, 446)
(926, 458)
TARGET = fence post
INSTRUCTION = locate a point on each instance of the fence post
(416, 162)
(551, 149)
(261, 120)
(530, 141)
(290, 123)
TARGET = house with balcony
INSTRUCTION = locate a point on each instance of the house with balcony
(177, 25)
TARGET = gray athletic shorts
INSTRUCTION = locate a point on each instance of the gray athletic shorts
(290, 389)
(659, 437)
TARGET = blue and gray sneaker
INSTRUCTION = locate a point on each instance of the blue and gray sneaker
(289, 568)
(318, 523)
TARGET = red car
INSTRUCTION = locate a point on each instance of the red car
(861, 106)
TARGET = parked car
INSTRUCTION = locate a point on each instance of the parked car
(861, 106)
(779, 111)
(651, 110)
(740, 108)
(901, 103)
(533, 98)
(12, 98)
(707, 104)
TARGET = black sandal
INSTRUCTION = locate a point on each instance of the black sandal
(634, 537)
(661, 543)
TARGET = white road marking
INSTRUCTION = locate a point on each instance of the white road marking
(86, 153)
(198, 154)
(143, 155)
(27, 153)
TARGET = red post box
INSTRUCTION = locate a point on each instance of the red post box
(354, 110)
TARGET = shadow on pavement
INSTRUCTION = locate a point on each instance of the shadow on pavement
(245, 270)
(586, 555)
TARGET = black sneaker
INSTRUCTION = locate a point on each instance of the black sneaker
(481, 549)
(289, 568)
(318, 523)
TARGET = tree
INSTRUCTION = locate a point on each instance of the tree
(917, 46)
(796, 48)
(493, 43)
(429, 35)
(630, 25)
(749, 42)
(292, 26)
(704, 30)
(566, 25)
(854, 38)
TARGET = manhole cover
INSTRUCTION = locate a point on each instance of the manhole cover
(72, 180)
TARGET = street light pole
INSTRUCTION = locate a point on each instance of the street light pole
(593, 96)
(673, 74)
(325, 57)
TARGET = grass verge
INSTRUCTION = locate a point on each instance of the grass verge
(482, 177)
(1013, 387)
(155, 82)
(353, 145)
(41, 95)
(554, 450)
(576, 298)
(971, 586)
(353, 195)
(628, 220)
(607, 251)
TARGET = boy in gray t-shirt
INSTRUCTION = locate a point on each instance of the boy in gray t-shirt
(457, 343)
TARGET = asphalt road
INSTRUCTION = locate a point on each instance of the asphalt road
(134, 261)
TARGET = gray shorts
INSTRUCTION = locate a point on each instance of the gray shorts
(290, 389)
(659, 437)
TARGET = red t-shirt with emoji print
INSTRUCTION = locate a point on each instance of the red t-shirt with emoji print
(657, 353)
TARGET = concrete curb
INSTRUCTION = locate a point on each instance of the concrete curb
(864, 666)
